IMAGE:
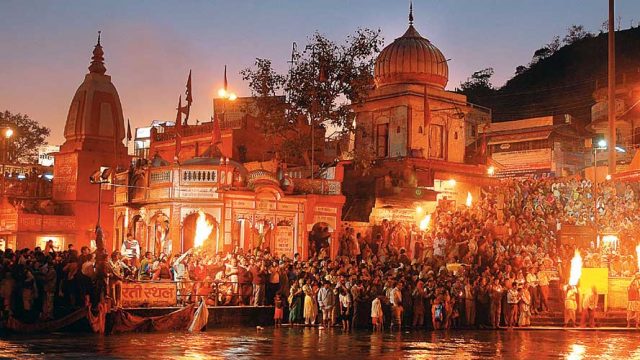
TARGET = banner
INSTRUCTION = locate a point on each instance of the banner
(284, 240)
(149, 294)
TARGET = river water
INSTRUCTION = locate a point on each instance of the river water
(298, 343)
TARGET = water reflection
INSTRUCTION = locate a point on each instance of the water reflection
(298, 343)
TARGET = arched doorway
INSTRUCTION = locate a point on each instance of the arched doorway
(319, 239)
(138, 230)
(159, 241)
(120, 232)
(211, 244)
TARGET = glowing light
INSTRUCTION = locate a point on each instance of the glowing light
(638, 255)
(608, 177)
(222, 93)
(602, 144)
(610, 241)
(424, 223)
(577, 352)
(232, 96)
(576, 269)
(469, 199)
(491, 170)
(203, 229)
(452, 182)
(8, 133)
(419, 210)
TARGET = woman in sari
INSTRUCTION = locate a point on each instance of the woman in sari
(524, 307)
(296, 297)
(310, 308)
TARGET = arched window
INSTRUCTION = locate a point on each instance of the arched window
(420, 131)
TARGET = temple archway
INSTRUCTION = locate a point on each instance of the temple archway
(159, 233)
(120, 232)
(138, 228)
(211, 244)
(319, 239)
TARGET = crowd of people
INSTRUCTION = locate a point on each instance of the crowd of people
(485, 266)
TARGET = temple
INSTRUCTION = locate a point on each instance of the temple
(416, 134)
(68, 213)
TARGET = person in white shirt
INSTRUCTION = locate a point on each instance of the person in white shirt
(345, 309)
(377, 315)
(131, 249)
(396, 305)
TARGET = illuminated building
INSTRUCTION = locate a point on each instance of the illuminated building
(416, 134)
(66, 211)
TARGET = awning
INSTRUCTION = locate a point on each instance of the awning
(519, 137)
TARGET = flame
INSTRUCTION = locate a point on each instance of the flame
(424, 223)
(203, 229)
(469, 199)
(638, 255)
(576, 269)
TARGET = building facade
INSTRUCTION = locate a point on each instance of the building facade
(64, 207)
(541, 146)
(416, 134)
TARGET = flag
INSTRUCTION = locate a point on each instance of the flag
(200, 317)
(225, 79)
(189, 99)
(216, 136)
(128, 130)
(178, 127)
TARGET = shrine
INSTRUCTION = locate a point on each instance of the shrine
(67, 213)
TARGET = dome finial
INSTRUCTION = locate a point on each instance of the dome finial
(410, 12)
(97, 60)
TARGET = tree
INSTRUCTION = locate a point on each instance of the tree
(478, 85)
(521, 69)
(322, 84)
(575, 33)
(28, 136)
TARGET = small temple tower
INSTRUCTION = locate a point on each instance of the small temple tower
(93, 133)
(415, 133)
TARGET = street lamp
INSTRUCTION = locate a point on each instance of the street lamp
(99, 177)
(7, 133)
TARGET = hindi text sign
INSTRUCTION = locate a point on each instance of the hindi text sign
(149, 294)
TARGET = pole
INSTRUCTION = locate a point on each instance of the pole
(4, 160)
(595, 189)
(313, 151)
(99, 203)
(612, 91)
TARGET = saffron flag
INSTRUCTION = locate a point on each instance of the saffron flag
(200, 318)
(189, 98)
(178, 127)
(128, 130)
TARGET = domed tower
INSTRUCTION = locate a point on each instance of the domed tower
(95, 120)
(408, 113)
(411, 59)
(93, 133)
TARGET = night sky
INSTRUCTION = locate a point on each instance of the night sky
(45, 46)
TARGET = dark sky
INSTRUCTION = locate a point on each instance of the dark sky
(150, 46)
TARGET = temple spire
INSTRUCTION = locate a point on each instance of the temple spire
(97, 60)
(410, 12)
